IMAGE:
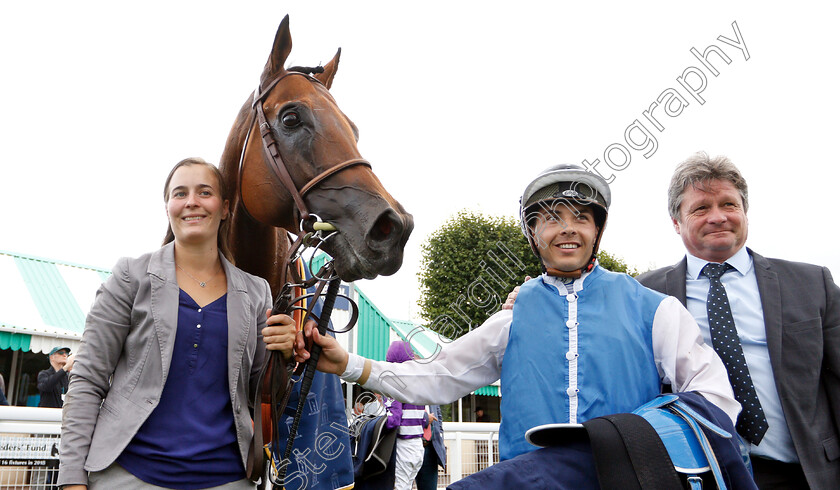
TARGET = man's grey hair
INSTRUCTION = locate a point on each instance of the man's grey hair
(697, 171)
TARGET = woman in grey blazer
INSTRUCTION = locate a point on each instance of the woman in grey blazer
(161, 390)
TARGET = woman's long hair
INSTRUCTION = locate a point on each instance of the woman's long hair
(223, 237)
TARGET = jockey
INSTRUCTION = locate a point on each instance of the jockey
(581, 342)
(409, 420)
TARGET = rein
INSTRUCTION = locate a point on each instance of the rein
(275, 382)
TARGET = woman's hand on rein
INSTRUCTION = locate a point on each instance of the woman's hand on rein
(279, 334)
(333, 357)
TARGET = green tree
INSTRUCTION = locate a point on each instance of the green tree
(469, 266)
(614, 263)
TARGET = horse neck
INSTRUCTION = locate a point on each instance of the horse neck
(229, 162)
(259, 249)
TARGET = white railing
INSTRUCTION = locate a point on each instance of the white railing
(471, 446)
(30, 420)
(29, 447)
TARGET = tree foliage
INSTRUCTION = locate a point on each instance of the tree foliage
(469, 266)
(615, 263)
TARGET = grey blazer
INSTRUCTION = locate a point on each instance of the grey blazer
(125, 353)
(801, 306)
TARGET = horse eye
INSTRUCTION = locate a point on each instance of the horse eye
(291, 119)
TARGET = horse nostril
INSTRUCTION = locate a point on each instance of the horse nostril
(384, 227)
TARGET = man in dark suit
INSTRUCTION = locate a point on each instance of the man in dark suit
(787, 317)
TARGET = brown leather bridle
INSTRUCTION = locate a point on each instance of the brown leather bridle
(275, 384)
(271, 150)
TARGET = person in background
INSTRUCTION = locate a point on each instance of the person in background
(369, 404)
(52, 382)
(786, 319)
(480, 416)
(409, 420)
(434, 450)
(162, 388)
(481, 448)
(3, 400)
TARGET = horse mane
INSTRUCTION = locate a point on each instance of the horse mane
(309, 70)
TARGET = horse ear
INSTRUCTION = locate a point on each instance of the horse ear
(280, 51)
(329, 70)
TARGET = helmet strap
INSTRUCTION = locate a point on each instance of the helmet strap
(575, 274)
(568, 275)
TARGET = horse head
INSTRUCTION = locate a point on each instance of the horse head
(315, 143)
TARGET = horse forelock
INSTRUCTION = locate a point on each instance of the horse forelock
(309, 70)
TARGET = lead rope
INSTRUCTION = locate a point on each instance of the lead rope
(286, 303)
(309, 370)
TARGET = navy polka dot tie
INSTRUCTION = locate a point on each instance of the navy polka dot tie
(752, 424)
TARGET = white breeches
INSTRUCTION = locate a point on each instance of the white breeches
(409, 460)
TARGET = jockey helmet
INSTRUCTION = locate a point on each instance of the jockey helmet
(570, 183)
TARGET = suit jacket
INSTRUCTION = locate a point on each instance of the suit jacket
(126, 349)
(801, 306)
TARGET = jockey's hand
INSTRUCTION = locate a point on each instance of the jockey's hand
(279, 334)
(333, 357)
(512, 296)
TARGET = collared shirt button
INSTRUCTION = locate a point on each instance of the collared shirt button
(571, 298)
(198, 326)
(199, 310)
(571, 323)
(572, 391)
(195, 345)
(571, 355)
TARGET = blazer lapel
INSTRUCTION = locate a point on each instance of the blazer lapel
(164, 302)
(675, 281)
(771, 304)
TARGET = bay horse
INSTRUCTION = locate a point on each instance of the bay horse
(290, 164)
(316, 143)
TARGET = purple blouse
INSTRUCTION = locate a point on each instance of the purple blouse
(189, 440)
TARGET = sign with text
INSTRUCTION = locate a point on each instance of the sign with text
(27, 451)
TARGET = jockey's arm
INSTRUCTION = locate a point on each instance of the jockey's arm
(454, 370)
(685, 362)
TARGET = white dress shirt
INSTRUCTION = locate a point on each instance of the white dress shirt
(744, 300)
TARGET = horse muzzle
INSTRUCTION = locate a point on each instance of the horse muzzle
(364, 252)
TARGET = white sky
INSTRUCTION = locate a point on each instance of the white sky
(459, 104)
